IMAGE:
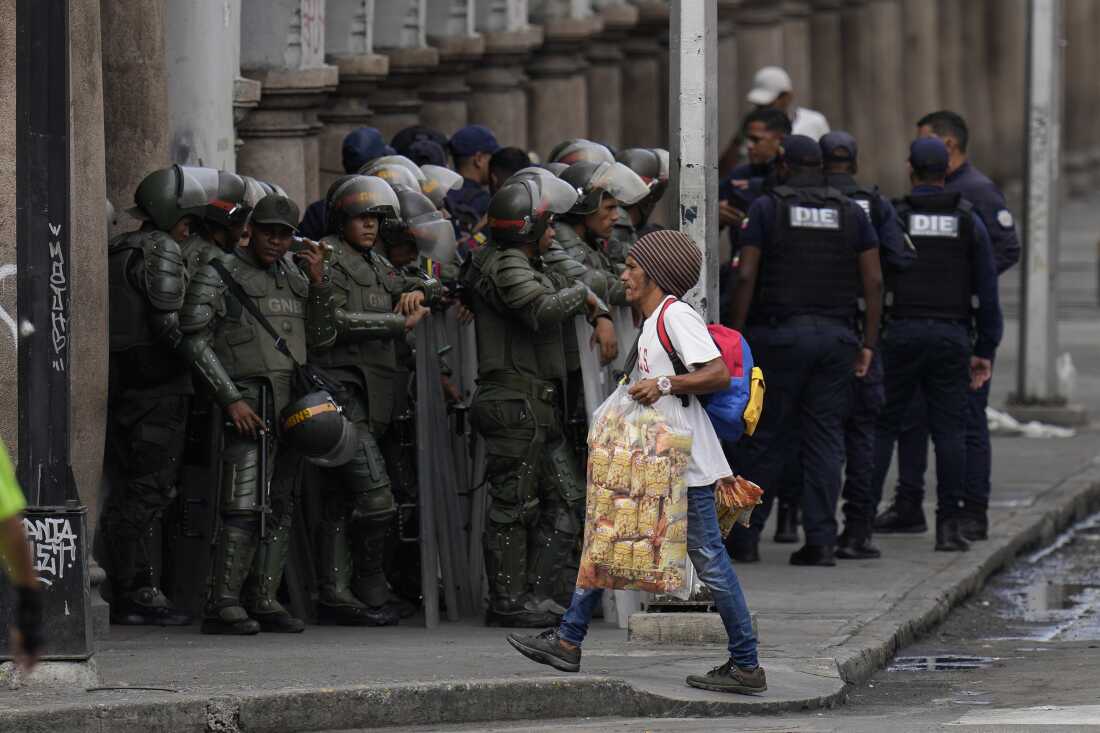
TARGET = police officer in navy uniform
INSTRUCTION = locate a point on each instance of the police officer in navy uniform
(472, 148)
(905, 513)
(807, 254)
(928, 342)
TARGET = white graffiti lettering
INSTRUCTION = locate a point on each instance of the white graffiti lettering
(53, 547)
(59, 311)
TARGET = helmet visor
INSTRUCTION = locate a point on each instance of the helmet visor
(619, 181)
(438, 181)
(364, 194)
(662, 155)
(195, 186)
(398, 160)
(550, 194)
(395, 175)
(585, 150)
(434, 236)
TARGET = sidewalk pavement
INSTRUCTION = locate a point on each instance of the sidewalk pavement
(820, 629)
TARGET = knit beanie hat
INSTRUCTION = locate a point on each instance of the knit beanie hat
(670, 258)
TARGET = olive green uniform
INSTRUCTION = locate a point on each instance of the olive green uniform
(233, 355)
(358, 495)
(534, 485)
(148, 400)
(623, 237)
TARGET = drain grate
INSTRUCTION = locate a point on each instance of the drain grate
(945, 663)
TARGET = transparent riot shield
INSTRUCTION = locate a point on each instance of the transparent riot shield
(627, 333)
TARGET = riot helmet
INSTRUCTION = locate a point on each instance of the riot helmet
(652, 166)
(593, 180)
(438, 181)
(523, 208)
(167, 195)
(316, 427)
(556, 168)
(394, 174)
(225, 205)
(422, 225)
(362, 195)
(576, 151)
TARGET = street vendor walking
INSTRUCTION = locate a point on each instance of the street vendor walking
(660, 268)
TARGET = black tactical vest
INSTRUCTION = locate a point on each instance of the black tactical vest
(810, 266)
(937, 285)
(866, 196)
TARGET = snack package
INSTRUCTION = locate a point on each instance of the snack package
(635, 523)
(734, 500)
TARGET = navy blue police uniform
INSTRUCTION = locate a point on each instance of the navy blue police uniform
(801, 327)
(989, 205)
(470, 203)
(928, 342)
(757, 177)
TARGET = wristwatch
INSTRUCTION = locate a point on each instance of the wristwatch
(664, 384)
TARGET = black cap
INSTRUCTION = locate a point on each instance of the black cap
(838, 145)
(928, 155)
(276, 209)
(800, 150)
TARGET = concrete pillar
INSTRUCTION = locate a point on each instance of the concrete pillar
(499, 83)
(978, 105)
(557, 73)
(283, 47)
(349, 36)
(135, 98)
(1008, 74)
(950, 28)
(1080, 94)
(797, 48)
(921, 45)
(859, 95)
(202, 51)
(605, 72)
(401, 33)
(759, 42)
(729, 93)
(446, 93)
(827, 73)
(891, 132)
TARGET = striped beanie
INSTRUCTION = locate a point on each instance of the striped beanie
(670, 258)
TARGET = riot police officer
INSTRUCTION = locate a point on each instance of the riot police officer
(149, 389)
(651, 165)
(928, 343)
(223, 219)
(905, 513)
(808, 252)
(534, 485)
(249, 373)
(376, 305)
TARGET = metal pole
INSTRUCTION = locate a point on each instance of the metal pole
(693, 122)
(1038, 322)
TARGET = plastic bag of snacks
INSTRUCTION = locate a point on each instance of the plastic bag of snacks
(635, 529)
(735, 499)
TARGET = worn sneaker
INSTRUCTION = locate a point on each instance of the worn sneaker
(731, 678)
(546, 648)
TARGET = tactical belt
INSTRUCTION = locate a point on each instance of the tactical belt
(537, 388)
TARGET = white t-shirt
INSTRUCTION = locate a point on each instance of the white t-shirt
(810, 123)
(689, 336)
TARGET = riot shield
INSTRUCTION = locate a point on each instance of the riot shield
(627, 332)
(598, 380)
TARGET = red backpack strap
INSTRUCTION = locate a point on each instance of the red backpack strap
(666, 342)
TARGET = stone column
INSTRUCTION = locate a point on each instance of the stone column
(401, 34)
(246, 92)
(796, 50)
(729, 93)
(921, 44)
(499, 99)
(950, 29)
(1080, 94)
(349, 28)
(201, 51)
(605, 72)
(827, 75)
(888, 144)
(859, 96)
(283, 47)
(446, 92)
(759, 42)
(135, 98)
(1008, 75)
(558, 103)
(978, 104)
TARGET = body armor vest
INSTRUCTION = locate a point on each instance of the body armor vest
(503, 343)
(810, 266)
(137, 357)
(866, 196)
(198, 251)
(244, 348)
(938, 284)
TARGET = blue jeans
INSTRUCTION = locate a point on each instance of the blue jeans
(708, 555)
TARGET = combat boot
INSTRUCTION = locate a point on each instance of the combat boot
(949, 535)
(974, 521)
(519, 613)
(743, 544)
(263, 585)
(856, 546)
(224, 613)
(369, 584)
(336, 604)
(786, 522)
(901, 517)
(146, 606)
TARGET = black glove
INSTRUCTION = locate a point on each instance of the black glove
(28, 618)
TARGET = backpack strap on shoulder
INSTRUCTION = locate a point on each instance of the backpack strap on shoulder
(662, 335)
